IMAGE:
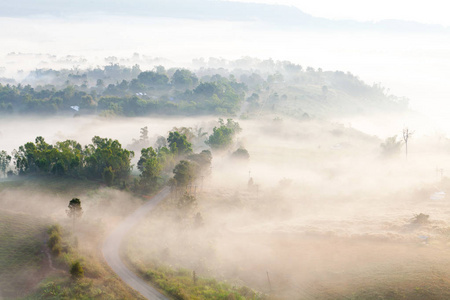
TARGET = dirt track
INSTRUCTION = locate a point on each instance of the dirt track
(112, 243)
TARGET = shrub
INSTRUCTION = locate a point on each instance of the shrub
(76, 270)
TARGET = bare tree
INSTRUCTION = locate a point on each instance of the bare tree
(406, 135)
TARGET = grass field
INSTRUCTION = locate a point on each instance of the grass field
(22, 262)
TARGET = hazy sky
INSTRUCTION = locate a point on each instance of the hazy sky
(430, 12)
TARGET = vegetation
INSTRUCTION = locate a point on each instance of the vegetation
(281, 87)
(184, 284)
(76, 270)
(222, 136)
(21, 258)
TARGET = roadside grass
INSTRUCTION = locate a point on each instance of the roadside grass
(183, 284)
(175, 281)
(98, 282)
(21, 258)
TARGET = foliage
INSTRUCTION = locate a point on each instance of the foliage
(5, 160)
(240, 154)
(76, 270)
(106, 153)
(75, 210)
(184, 78)
(186, 201)
(54, 241)
(184, 173)
(222, 137)
(150, 166)
(178, 143)
(183, 284)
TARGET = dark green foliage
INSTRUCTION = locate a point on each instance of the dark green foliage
(76, 270)
(185, 172)
(178, 143)
(106, 153)
(103, 159)
(75, 210)
(108, 175)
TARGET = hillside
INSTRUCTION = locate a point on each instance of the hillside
(245, 88)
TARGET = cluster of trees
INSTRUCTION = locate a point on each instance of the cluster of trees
(129, 91)
(103, 159)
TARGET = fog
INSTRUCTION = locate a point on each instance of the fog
(319, 211)
(404, 62)
(325, 205)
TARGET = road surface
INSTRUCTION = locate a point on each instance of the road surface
(112, 243)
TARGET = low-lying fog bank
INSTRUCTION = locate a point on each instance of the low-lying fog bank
(317, 205)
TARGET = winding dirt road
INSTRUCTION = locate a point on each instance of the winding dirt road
(112, 243)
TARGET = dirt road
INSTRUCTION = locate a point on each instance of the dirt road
(112, 243)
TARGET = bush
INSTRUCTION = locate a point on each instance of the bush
(54, 241)
(76, 270)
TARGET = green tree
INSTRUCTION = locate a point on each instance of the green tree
(178, 143)
(5, 160)
(150, 166)
(75, 210)
(184, 173)
(184, 78)
(222, 137)
(104, 153)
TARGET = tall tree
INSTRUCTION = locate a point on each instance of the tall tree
(178, 143)
(75, 210)
(5, 160)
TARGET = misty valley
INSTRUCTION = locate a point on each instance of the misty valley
(245, 179)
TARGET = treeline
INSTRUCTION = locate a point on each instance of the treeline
(277, 87)
(106, 160)
(149, 93)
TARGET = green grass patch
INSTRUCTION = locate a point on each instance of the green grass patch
(183, 284)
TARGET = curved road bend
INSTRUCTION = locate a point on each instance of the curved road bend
(112, 243)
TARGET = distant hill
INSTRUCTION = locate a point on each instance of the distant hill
(273, 15)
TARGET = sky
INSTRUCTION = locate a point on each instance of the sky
(428, 12)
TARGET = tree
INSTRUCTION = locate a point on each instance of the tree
(184, 78)
(150, 167)
(75, 210)
(184, 173)
(5, 160)
(106, 153)
(240, 154)
(222, 137)
(178, 143)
